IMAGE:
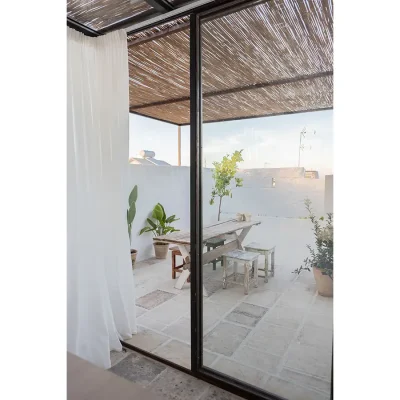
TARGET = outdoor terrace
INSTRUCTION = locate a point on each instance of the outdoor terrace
(278, 337)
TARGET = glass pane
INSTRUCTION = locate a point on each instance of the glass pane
(159, 161)
(98, 14)
(266, 320)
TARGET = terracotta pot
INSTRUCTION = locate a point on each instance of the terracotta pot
(161, 250)
(324, 283)
(133, 257)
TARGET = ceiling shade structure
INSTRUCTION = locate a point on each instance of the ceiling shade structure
(99, 14)
(272, 58)
(97, 17)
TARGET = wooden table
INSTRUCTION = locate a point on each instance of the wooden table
(182, 240)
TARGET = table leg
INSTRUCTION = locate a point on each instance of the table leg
(186, 272)
(247, 267)
(182, 279)
(224, 273)
(266, 267)
(235, 267)
(255, 272)
(241, 237)
(273, 262)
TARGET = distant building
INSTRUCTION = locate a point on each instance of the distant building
(146, 157)
(311, 174)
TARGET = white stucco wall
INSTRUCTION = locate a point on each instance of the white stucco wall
(280, 209)
(169, 186)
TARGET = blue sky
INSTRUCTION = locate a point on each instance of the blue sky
(267, 142)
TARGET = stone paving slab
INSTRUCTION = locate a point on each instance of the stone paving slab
(306, 380)
(179, 353)
(270, 338)
(290, 391)
(146, 339)
(309, 360)
(154, 299)
(138, 369)
(247, 314)
(176, 385)
(240, 371)
(117, 356)
(285, 316)
(258, 359)
(225, 338)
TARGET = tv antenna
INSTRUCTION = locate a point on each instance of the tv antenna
(303, 134)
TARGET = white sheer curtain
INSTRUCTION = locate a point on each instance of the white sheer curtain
(101, 302)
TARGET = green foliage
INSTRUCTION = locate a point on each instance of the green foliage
(223, 174)
(131, 211)
(322, 256)
(160, 223)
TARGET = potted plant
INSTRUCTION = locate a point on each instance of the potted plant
(130, 216)
(321, 258)
(160, 225)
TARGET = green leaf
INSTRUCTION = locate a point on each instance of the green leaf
(131, 213)
(171, 219)
(164, 216)
(151, 223)
(158, 212)
(145, 229)
(133, 196)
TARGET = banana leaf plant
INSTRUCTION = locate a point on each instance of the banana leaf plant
(131, 211)
(159, 223)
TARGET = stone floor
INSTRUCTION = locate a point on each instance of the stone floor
(167, 382)
(278, 337)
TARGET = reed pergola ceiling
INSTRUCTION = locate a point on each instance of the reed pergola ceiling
(96, 17)
(270, 59)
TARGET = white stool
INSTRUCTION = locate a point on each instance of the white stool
(249, 261)
(265, 251)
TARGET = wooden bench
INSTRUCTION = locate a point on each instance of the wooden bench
(265, 251)
(249, 261)
(212, 244)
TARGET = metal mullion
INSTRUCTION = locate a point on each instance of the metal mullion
(78, 26)
(196, 248)
(160, 5)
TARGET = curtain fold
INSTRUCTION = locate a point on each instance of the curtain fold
(100, 287)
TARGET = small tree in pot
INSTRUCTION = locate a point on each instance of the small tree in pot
(130, 216)
(160, 225)
(321, 258)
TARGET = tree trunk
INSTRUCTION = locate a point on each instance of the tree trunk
(219, 208)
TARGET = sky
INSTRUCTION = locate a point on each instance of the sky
(268, 142)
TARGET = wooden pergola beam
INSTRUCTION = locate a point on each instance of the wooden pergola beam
(237, 89)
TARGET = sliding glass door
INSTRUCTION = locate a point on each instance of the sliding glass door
(237, 99)
(263, 167)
